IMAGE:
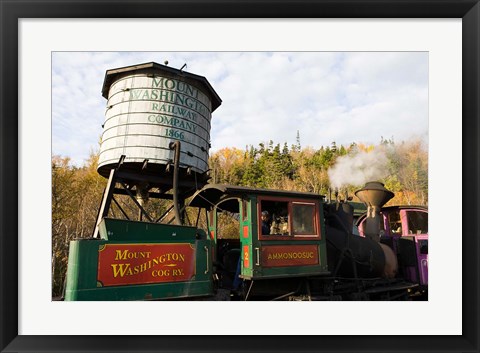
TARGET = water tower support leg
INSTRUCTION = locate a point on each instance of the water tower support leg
(106, 201)
(120, 208)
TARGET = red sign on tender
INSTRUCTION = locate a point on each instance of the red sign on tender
(122, 264)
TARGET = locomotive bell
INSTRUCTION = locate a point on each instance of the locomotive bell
(374, 195)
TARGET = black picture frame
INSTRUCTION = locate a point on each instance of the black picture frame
(12, 11)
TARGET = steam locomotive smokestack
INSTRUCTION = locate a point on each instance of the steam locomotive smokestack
(374, 195)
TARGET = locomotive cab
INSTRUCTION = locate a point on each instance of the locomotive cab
(288, 246)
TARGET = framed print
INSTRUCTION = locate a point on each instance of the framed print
(36, 33)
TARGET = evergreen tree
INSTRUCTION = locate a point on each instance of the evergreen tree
(299, 146)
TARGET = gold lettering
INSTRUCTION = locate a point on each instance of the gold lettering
(119, 255)
(291, 255)
(120, 269)
(169, 257)
(178, 272)
(126, 254)
(160, 273)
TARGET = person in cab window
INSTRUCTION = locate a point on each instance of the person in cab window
(265, 223)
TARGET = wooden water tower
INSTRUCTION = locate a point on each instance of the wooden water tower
(156, 137)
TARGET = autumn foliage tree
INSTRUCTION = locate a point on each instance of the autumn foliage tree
(76, 195)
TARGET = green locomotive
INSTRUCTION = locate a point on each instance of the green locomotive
(308, 253)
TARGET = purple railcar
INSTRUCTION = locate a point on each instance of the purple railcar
(405, 230)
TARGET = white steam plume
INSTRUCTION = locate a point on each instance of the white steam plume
(359, 168)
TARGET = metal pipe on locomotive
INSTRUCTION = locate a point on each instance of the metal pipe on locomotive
(155, 145)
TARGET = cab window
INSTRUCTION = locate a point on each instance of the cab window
(287, 218)
(303, 219)
(417, 222)
(276, 221)
(394, 222)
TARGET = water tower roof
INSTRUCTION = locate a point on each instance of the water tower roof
(113, 74)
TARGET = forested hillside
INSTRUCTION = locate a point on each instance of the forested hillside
(403, 167)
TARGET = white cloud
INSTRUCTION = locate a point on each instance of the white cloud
(341, 97)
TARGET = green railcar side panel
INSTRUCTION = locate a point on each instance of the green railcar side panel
(258, 269)
(246, 231)
(120, 230)
(147, 268)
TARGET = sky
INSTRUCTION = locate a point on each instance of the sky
(340, 97)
